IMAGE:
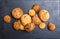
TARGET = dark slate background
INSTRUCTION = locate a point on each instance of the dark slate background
(6, 30)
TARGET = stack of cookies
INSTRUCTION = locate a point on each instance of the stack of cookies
(27, 22)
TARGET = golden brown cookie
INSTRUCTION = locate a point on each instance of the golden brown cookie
(51, 26)
(7, 18)
(21, 27)
(44, 15)
(31, 12)
(30, 27)
(42, 25)
(25, 19)
(36, 7)
(16, 25)
(36, 19)
(17, 13)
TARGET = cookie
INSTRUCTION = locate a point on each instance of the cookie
(42, 25)
(16, 25)
(36, 7)
(51, 26)
(30, 27)
(25, 19)
(7, 18)
(21, 27)
(17, 13)
(31, 12)
(36, 19)
(44, 15)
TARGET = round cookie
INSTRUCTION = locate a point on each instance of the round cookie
(31, 12)
(51, 26)
(30, 27)
(17, 13)
(36, 7)
(16, 25)
(7, 18)
(42, 25)
(36, 19)
(44, 15)
(25, 19)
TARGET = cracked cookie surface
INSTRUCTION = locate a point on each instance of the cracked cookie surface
(44, 15)
(17, 13)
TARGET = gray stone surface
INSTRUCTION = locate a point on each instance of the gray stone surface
(7, 32)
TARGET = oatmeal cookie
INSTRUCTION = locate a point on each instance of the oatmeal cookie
(44, 15)
(7, 18)
(17, 13)
(21, 27)
(51, 26)
(42, 25)
(30, 27)
(36, 7)
(31, 12)
(25, 19)
(36, 19)
(16, 25)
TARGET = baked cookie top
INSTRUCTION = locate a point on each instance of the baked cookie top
(36, 20)
(30, 27)
(44, 15)
(17, 13)
(42, 25)
(36, 7)
(7, 18)
(25, 19)
(31, 12)
(51, 26)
